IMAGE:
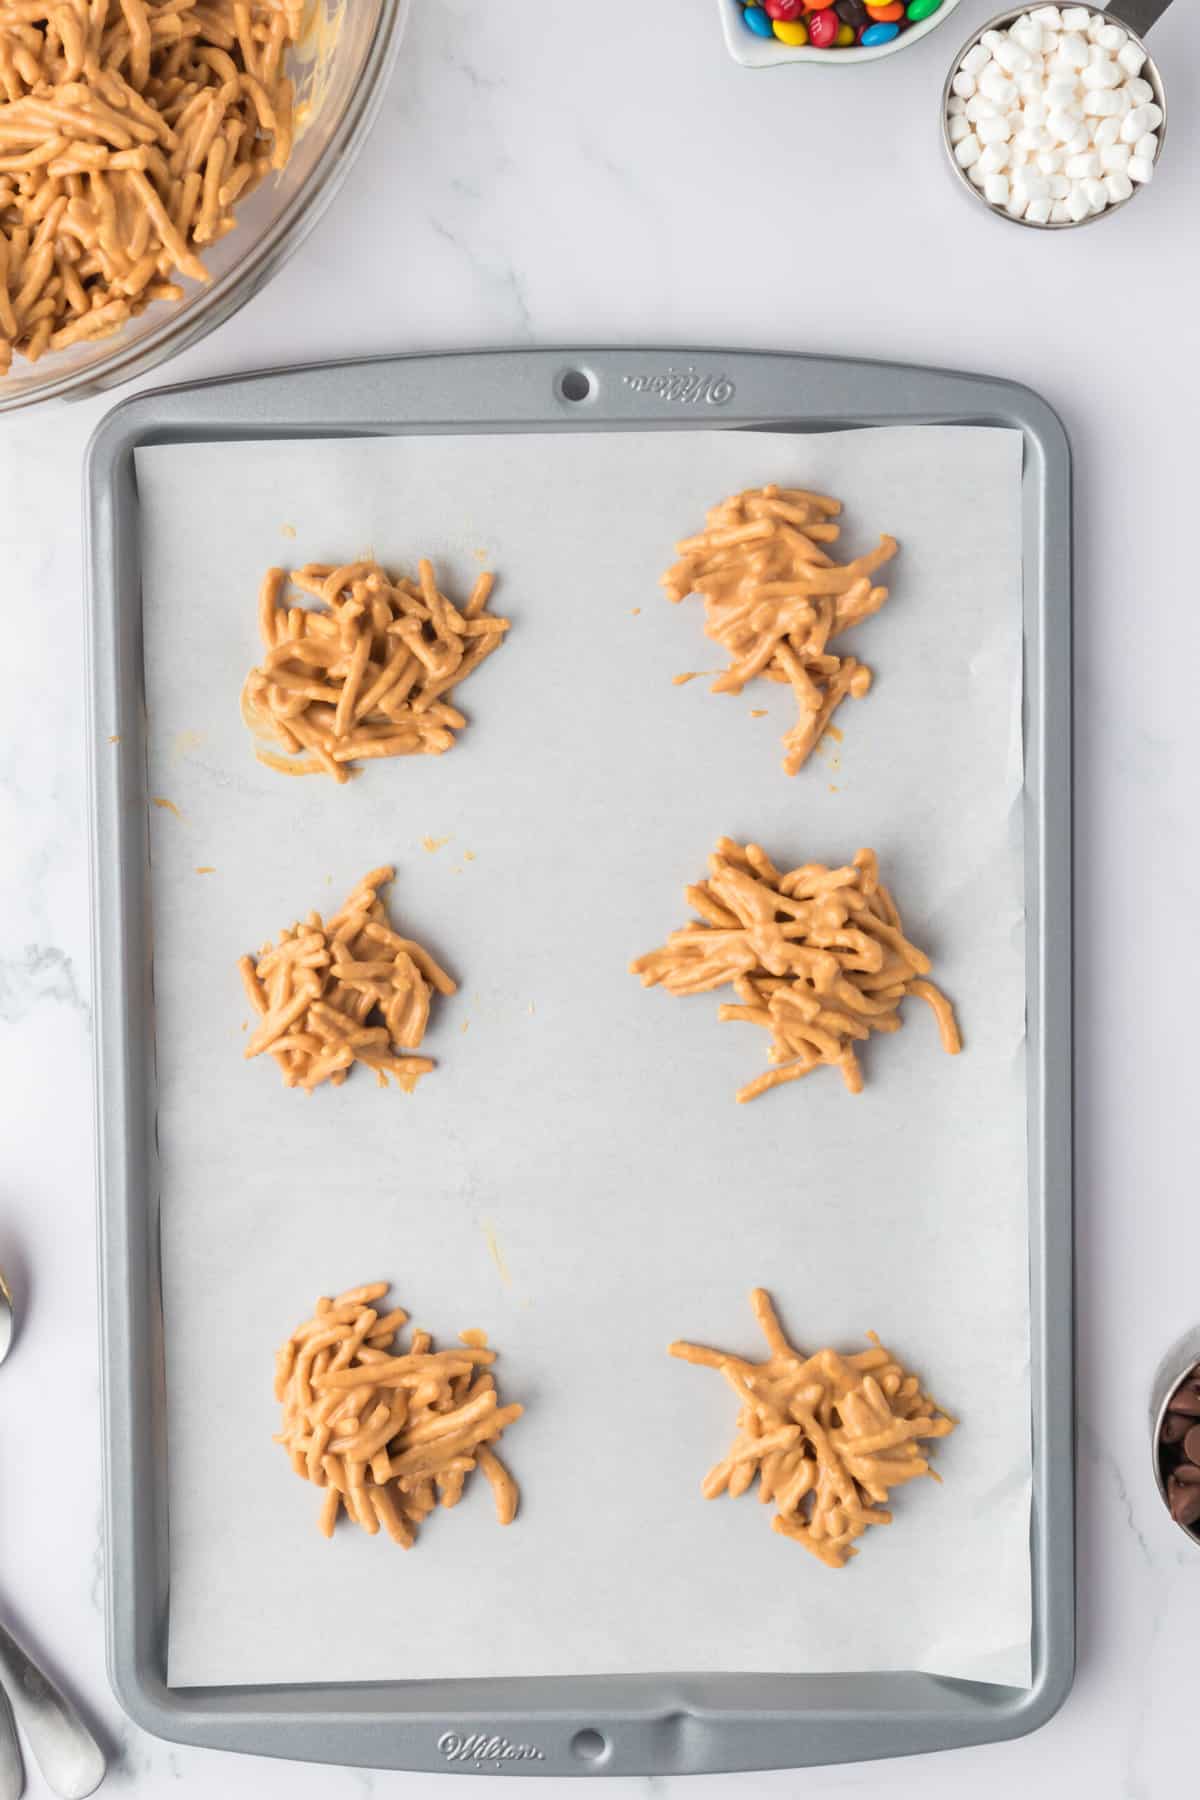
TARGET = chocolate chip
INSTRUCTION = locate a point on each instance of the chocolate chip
(1188, 1473)
(1186, 1398)
(1191, 1444)
(1175, 1428)
(1184, 1501)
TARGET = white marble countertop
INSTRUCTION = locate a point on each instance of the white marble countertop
(571, 175)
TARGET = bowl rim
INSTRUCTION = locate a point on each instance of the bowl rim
(1175, 1367)
(180, 328)
(1008, 17)
(764, 53)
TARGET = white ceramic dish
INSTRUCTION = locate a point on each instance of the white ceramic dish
(763, 53)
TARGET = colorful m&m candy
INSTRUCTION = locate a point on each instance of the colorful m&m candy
(835, 24)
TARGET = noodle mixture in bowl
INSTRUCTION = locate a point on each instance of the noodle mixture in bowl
(133, 137)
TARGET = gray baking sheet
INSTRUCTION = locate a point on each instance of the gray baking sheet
(575, 1176)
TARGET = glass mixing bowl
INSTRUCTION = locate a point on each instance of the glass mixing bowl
(341, 68)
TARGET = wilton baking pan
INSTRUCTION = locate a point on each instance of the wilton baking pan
(593, 1723)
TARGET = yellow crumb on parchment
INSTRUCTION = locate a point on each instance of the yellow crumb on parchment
(758, 712)
(431, 844)
(165, 805)
(184, 742)
(635, 612)
(287, 531)
(468, 856)
(495, 1252)
(114, 737)
(205, 869)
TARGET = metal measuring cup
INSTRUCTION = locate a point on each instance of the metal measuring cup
(1136, 17)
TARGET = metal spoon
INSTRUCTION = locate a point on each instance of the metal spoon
(67, 1753)
(7, 1318)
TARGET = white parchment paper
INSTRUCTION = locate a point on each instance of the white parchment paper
(575, 1177)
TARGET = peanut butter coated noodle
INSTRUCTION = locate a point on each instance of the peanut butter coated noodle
(774, 597)
(817, 956)
(366, 673)
(827, 1436)
(129, 130)
(342, 990)
(388, 1433)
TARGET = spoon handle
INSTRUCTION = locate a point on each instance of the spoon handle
(1139, 15)
(67, 1753)
(12, 1769)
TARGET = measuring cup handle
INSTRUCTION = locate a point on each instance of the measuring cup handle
(1139, 15)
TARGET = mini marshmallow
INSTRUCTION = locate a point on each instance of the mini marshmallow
(1147, 147)
(1015, 206)
(1059, 213)
(994, 158)
(996, 85)
(1062, 123)
(1030, 85)
(963, 85)
(1132, 59)
(1103, 103)
(991, 38)
(1077, 205)
(1140, 170)
(1140, 92)
(1076, 18)
(1104, 73)
(1080, 144)
(1119, 187)
(960, 128)
(1097, 195)
(1114, 158)
(1018, 156)
(1084, 167)
(1073, 51)
(1036, 112)
(1107, 132)
(993, 131)
(1111, 37)
(967, 150)
(1035, 138)
(980, 107)
(1028, 181)
(1012, 57)
(956, 106)
(1048, 17)
(976, 59)
(995, 189)
(1031, 37)
(1060, 187)
(1050, 162)
(975, 174)
(1059, 92)
(1038, 211)
(1138, 122)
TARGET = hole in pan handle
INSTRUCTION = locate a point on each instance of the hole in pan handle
(590, 1746)
(1139, 15)
(576, 384)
